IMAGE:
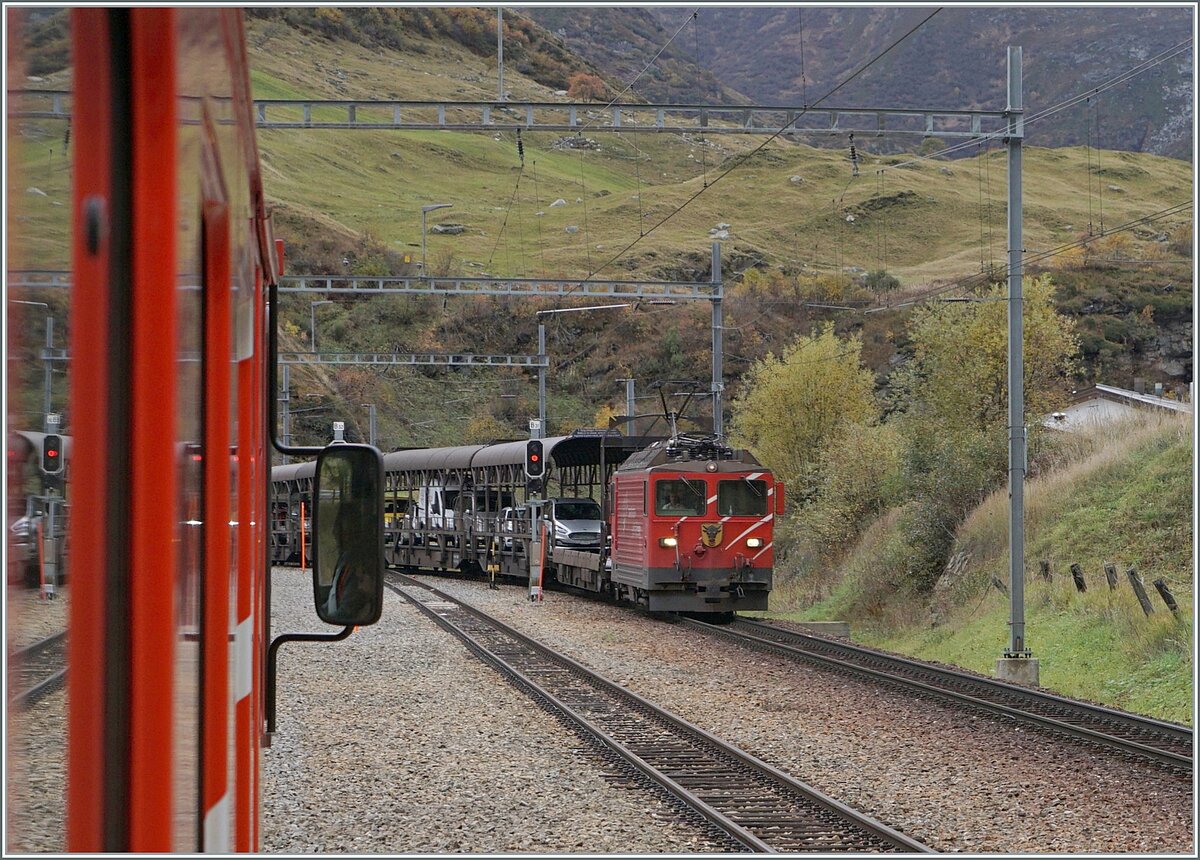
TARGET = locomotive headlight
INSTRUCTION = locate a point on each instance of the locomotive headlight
(753, 543)
(668, 541)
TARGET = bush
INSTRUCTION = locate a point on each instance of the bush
(858, 477)
(948, 475)
(880, 282)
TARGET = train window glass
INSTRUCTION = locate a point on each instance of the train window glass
(742, 498)
(680, 498)
(576, 510)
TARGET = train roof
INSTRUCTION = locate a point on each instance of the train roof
(561, 452)
(34, 439)
(655, 457)
(292, 471)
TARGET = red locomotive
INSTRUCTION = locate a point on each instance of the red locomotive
(692, 524)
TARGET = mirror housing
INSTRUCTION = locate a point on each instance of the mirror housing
(779, 502)
(347, 552)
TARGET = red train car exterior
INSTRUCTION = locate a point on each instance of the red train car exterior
(693, 529)
(171, 250)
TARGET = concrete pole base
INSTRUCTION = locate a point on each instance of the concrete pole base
(1018, 670)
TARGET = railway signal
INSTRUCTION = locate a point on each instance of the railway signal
(52, 454)
(535, 465)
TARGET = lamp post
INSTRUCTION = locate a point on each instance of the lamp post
(312, 325)
(425, 210)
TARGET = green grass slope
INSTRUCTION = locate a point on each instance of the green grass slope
(1127, 499)
(922, 221)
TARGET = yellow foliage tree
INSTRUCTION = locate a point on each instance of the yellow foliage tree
(792, 405)
(603, 415)
(959, 374)
(485, 428)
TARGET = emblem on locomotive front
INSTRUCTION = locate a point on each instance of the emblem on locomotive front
(711, 534)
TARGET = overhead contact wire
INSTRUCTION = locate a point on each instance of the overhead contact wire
(747, 156)
(645, 69)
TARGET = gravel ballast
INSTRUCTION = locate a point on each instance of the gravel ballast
(399, 740)
(955, 781)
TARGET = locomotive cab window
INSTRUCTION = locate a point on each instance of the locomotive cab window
(742, 498)
(679, 498)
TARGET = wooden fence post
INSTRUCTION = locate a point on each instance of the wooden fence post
(1139, 589)
(1110, 573)
(1044, 569)
(1077, 575)
(1167, 596)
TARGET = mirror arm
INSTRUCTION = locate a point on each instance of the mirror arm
(273, 387)
(272, 657)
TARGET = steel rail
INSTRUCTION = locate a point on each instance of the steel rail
(845, 817)
(983, 693)
(45, 661)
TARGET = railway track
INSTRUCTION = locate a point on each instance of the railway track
(1165, 743)
(38, 670)
(755, 806)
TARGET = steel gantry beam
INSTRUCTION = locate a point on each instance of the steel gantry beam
(537, 287)
(378, 358)
(416, 285)
(411, 358)
(577, 117)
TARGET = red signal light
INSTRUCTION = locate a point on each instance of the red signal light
(533, 459)
(51, 449)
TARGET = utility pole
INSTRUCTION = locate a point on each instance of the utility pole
(499, 53)
(718, 342)
(1018, 663)
(630, 405)
(48, 381)
(370, 407)
(285, 397)
(541, 431)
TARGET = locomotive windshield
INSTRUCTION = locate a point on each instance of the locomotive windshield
(742, 498)
(680, 498)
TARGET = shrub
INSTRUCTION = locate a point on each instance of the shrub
(880, 282)
(858, 477)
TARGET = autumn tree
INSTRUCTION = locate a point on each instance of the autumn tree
(485, 428)
(604, 415)
(586, 87)
(793, 404)
(956, 411)
(958, 375)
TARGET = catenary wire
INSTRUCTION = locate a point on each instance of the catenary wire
(740, 160)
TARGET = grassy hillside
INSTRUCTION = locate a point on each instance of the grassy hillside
(1123, 495)
(355, 196)
(921, 221)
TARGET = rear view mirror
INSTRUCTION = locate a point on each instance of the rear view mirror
(348, 535)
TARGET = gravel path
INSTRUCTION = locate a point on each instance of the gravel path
(951, 780)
